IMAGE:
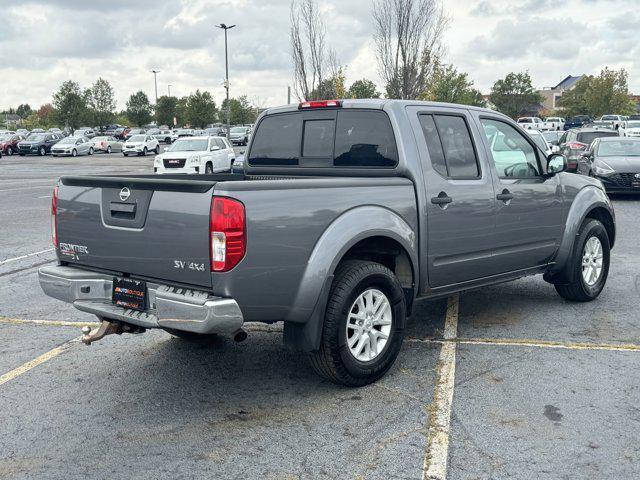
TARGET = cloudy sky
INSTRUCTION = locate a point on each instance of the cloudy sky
(45, 42)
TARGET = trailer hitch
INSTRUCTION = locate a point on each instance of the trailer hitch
(107, 328)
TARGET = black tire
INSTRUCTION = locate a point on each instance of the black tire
(74, 153)
(144, 152)
(334, 360)
(109, 149)
(157, 149)
(22, 154)
(90, 150)
(167, 140)
(9, 151)
(125, 154)
(42, 151)
(208, 169)
(576, 289)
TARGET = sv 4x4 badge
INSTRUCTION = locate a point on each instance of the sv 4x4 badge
(182, 265)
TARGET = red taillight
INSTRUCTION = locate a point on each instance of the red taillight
(227, 233)
(54, 213)
(577, 146)
(320, 104)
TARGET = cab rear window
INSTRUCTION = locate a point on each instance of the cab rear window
(340, 138)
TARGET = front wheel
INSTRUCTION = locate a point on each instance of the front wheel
(144, 152)
(90, 150)
(9, 151)
(363, 326)
(157, 149)
(74, 153)
(42, 151)
(589, 266)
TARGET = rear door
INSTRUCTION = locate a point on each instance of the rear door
(529, 210)
(460, 203)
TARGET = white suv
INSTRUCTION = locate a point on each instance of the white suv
(530, 123)
(196, 155)
(140, 145)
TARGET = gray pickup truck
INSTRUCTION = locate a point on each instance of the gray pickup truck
(346, 214)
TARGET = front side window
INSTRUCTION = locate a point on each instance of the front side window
(512, 154)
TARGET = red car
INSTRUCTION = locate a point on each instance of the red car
(9, 143)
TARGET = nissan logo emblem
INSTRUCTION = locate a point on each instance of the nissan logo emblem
(125, 193)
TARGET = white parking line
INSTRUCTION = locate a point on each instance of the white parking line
(437, 451)
(8, 260)
(25, 367)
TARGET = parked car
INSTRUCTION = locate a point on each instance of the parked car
(9, 143)
(553, 137)
(111, 129)
(184, 132)
(121, 132)
(238, 165)
(576, 141)
(22, 131)
(106, 144)
(163, 135)
(72, 146)
(140, 145)
(541, 141)
(630, 128)
(84, 132)
(531, 123)
(614, 120)
(384, 202)
(239, 135)
(215, 131)
(38, 143)
(615, 162)
(634, 117)
(553, 123)
(37, 130)
(134, 131)
(577, 122)
(196, 155)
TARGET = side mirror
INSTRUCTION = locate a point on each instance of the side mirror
(215, 148)
(556, 163)
(555, 148)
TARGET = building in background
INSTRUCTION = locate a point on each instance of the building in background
(551, 95)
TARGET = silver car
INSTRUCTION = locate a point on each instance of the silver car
(106, 144)
(72, 146)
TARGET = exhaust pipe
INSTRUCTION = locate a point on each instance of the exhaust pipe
(240, 335)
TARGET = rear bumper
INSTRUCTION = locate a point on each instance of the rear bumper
(170, 307)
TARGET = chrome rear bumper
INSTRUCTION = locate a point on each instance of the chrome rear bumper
(169, 307)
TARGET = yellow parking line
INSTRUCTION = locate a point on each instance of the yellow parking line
(515, 342)
(437, 450)
(49, 323)
(16, 372)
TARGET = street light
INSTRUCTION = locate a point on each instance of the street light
(226, 66)
(169, 88)
(155, 81)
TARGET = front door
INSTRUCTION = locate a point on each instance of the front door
(529, 209)
(460, 199)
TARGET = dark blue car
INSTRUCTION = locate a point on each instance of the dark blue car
(577, 122)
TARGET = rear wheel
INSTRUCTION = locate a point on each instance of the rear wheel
(42, 151)
(74, 153)
(125, 154)
(208, 169)
(157, 149)
(144, 152)
(363, 326)
(90, 150)
(589, 265)
(9, 151)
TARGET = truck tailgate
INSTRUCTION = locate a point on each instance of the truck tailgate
(143, 226)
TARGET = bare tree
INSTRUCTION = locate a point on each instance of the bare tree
(314, 64)
(408, 42)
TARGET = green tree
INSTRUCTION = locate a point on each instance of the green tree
(101, 102)
(24, 109)
(599, 95)
(201, 109)
(70, 105)
(181, 110)
(241, 111)
(363, 89)
(451, 86)
(166, 110)
(139, 109)
(46, 115)
(514, 95)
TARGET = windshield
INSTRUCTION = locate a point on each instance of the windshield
(619, 148)
(633, 124)
(539, 141)
(137, 138)
(609, 117)
(238, 130)
(36, 137)
(188, 145)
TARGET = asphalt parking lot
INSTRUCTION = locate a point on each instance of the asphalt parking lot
(536, 387)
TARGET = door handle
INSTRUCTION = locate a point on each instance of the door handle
(441, 199)
(505, 196)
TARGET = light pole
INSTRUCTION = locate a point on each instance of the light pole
(226, 67)
(169, 89)
(155, 81)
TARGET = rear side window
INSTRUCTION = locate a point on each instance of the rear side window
(454, 141)
(220, 143)
(433, 144)
(278, 141)
(364, 139)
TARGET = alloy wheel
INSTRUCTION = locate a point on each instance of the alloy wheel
(369, 325)
(592, 261)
